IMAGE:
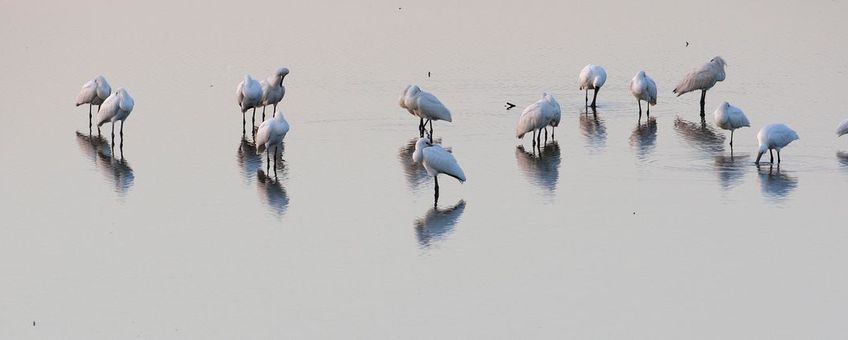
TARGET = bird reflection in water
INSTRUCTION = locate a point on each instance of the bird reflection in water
(117, 170)
(700, 135)
(437, 224)
(272, 192)
(593, 129)
(541, 166)
(731, 169)
(775, 184)
(644, 137)
(842, 157)
(416, 175)
(248, 160)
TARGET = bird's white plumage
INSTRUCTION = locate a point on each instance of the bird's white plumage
(423, 104)
(94, 91)
(273, 90)
(592, 77)
(730, 117)
(248, 93)
(644, 88)
(543, 112)
(843, 128)
(271, 133)
(117, 107)
(775, 136)
(703, 78)
(437, 160)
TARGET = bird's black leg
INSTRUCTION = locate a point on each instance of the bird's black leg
(546, 134)
(263, 113)
(431, 130)
(595, 97)
(703, 96)
(778, 156)
(122, 136)
(243, 122)
(587, 97)
(731, 139)
(771, 156)
(113, 135)
(534, 137)
(640, 108)
(89, 118)
(274, 114)
(421, 127)
(268, 162)
(436, 196)
(649, 108)
(553, 131)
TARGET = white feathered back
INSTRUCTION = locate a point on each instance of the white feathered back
(730, 117)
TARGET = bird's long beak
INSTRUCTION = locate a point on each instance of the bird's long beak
(759, 155)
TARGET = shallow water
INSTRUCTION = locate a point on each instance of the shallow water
(618, 228)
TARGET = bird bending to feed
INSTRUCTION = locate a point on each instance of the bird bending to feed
(644, 88)
(842, 129)
(436, 160)
(702, 79)
(273, 90)
(94, 92)
(117, 107)
(537, 116)
(774, 137)
(248, 96)
(592, 77)
(269, 138)
(730, 117)
(424, 105)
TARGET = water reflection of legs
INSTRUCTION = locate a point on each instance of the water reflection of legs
(436, 196)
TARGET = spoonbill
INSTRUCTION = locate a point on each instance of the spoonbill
(644, 88)
(117, 106)
(273, 90)
(774, 137)
(592, 77)
(702, 79)
(436, 160)
(94, 92)
(730, 117)
(248, 96)
(426, 106)
(537, 116)
(269, 138)
(842, 129)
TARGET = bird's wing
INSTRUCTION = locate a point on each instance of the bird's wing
(104, 89)
(431, 108)
(265, 90)
(530, 119)
(108, 110)
(651, 86)
(126, 104)
(88, 92)
(583, 81)
(240, 93)
(438, 160)
(736, 117)
(843, 128)
(600, 76)
(262, 136)
(697, 80)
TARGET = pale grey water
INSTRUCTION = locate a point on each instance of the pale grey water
(621, 230)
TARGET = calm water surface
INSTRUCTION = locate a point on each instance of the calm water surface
(616, 228)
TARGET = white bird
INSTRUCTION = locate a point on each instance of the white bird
(730, 117)
(774, 137)
(273, 90)
(702, 79)
(537, 116)
(248, 96)
(117, 107)
(94, 92)
(592, 77)
(269, 138)
(644, 88)
(424, 105)
(436, 160)
(842, 129)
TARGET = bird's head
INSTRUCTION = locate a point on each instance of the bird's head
(762, 150)
(281, 74)
(719, 60)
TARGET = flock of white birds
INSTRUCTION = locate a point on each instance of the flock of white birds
(268, 137)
